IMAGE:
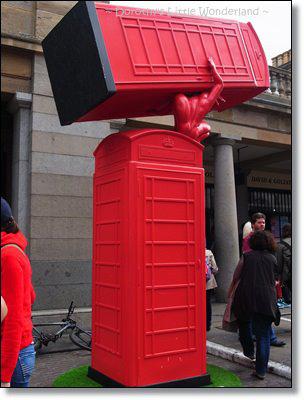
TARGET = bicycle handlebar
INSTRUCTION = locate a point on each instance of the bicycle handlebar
(71, 309)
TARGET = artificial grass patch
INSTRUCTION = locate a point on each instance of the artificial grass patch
(221, 377)
(77, 377)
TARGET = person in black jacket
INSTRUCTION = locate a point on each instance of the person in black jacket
(255, 302)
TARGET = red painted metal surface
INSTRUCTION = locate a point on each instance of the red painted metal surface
(148, 301)
(108, 62)
(154, 57)
(190, 111)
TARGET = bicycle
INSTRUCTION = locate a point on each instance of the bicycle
(77, 335)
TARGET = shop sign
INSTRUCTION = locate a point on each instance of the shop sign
(269, 180)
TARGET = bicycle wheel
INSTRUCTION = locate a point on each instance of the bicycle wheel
(81, 338)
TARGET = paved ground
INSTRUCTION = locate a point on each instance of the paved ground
(49, 366)
(283, 332)
(55, 359)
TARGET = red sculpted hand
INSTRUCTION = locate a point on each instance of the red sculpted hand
(211, 63)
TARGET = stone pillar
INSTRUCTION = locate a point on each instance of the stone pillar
(20, 107)
(225, 215)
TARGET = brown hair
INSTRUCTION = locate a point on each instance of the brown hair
(10, 227)
(262, 240)
(286, 231)
(257, 216)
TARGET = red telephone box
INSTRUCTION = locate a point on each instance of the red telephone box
(107, 61)
(148, 301)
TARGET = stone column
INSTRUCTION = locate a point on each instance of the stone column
(20, 106)
(225, 215)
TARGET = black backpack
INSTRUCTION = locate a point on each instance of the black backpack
(286, 253)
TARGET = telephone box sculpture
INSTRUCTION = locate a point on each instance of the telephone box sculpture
(148, 250)
(148, 305)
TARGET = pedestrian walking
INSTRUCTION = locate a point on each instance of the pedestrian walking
(283, 255)
(17, 350)
(210, 285)
(255, 302)
(258, 223)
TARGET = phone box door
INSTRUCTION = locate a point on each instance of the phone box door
(171, 296)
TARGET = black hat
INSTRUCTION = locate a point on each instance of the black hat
(6, 212)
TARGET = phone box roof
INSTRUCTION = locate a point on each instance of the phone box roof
(109, 62)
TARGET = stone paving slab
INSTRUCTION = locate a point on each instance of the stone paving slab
(230, 339)
(55, 360)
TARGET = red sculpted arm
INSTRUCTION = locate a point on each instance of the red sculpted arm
(189, 113)
(216, 90)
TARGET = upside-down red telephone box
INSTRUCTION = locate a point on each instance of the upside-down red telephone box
(107, 61)
(148, 302)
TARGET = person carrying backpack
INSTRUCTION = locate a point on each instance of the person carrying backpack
(283, 255)
(211, 269)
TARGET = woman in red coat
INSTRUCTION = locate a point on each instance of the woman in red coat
(17, 350)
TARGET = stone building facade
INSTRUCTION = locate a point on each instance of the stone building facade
(47, 169)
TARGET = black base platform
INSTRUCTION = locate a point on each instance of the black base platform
(197, 381)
